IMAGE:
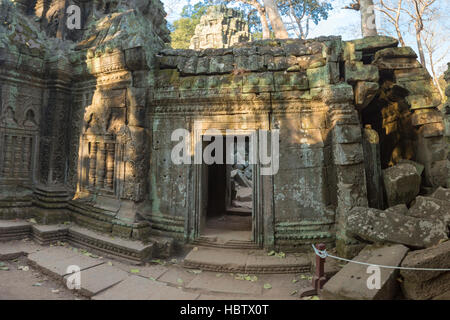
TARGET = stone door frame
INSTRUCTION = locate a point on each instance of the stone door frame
(257, 210)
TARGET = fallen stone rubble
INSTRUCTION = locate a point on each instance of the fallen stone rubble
(402, 183)
(421, 285)
(350, 283)
(393, 226)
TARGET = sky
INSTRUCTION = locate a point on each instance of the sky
(343, 22)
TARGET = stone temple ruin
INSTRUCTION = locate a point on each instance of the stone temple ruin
(87, 117)
(220, 27)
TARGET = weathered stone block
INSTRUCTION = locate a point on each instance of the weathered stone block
(421, 117)
(374, 43)
(398, 52)
(290, 81)
(351, 281)
(258, 82)
(421, 285)
(402, 183)
(397, 63)
(430, 130)
(417, 101)
(357, 71)
(394, 227)
(365, 92)
(411, 74)
(349, 153)
(431, 208)
(441, 194)
(221, 64)
(347, 133)
(318, 77)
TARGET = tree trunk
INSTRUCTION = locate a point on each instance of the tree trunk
(275, 20)
(368, 26)
(264, 23)
(420, 47)
(435, 78)
(399, 35)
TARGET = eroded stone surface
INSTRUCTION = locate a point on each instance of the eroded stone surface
(402, 183)
(391, 226)
(105, 162)
(351, 281)
(427, 284)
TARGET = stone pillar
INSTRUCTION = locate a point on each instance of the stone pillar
(372, 163)
(431, 147)
(92, 164)
(8, 154)
(101, 164)
(109, 184)
(348, 161)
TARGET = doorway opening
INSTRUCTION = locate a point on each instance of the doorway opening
(229, 192)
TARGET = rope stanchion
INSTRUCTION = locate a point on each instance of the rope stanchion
(319, 278)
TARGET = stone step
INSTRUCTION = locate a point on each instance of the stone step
(129, 250)
(56, 261)
(14, 230)
(245, 261)
(47, 234)
(132, 251)
(208, 242)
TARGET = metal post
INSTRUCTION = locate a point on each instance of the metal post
(319, 278)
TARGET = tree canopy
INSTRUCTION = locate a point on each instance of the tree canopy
(266, 18)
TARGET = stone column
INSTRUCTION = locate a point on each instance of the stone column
(372, 162)
(8, 155)
(109, 184)
(348, 160)
(431, 147)
(101, 164)
(92, 164)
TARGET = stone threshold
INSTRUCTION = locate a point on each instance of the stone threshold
(245, 261)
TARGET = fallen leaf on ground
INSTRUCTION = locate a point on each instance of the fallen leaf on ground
(135, 271)
(267, 286)
(195, 271)
(293, 292)
(37, 284)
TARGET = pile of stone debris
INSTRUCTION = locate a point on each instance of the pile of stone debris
(411, 233)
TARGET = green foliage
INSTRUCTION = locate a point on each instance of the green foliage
(184, 28)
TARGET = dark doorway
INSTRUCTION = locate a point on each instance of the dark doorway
(229, 197)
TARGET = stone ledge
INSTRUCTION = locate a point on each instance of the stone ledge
(244, 261)
(132, 251)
